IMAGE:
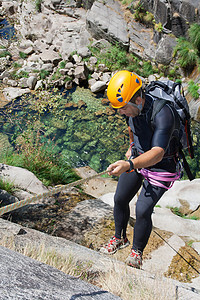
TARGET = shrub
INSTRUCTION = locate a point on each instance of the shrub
(43, 74)
(126, 2)
(62, 64)
(4, 54)
(194, 35)
(139, 13)
(187, 55)
(21, 74)
(158, 27)
(41, 158)
(6, 186)
(193, 89)
(116, 58)
(147, 69)
(16, 65)
(22, 55)
(149, 18)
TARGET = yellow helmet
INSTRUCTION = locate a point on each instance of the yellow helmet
(121, 88)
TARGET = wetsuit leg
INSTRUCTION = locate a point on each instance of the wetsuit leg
(147, 199)
(128, 186)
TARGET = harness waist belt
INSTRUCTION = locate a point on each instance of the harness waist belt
(155, 177)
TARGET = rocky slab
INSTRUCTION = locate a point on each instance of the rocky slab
(25, 278)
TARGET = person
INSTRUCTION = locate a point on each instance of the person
(152, 162)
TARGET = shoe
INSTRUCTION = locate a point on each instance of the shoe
(114, 244)
(135, 259)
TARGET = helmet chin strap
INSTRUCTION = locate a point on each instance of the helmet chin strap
(139, 107)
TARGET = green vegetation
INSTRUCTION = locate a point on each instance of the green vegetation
(194, 36)
(6, 186)
(43, 74)
(177, 212)
(16, 65)
(23, 55)
(57, 75)
(41, 158)
(193, 89)
(194, 163)
(62, 64)
(21, 74)
(127, 2)
(158, 27)
(5, 53)
(143, 16)
(38, 5)
(115, 58)
(188, 50)
(148, 18)
(189, 243)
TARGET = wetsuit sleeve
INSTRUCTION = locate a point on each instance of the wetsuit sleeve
(164, 124)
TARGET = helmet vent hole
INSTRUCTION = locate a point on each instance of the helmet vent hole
(120, 99)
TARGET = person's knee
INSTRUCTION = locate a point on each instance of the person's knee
(118, 200)
(143, 211)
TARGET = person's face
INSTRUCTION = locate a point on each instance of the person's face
(131, 109)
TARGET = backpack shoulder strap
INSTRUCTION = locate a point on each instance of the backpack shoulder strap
(157, 106)
(186, 165)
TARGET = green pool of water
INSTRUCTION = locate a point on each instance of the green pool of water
(89, 133)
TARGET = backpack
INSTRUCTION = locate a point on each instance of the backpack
(172, 92)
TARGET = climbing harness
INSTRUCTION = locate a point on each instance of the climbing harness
(13, 206)
(154, 178)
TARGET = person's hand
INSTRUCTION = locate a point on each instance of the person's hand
(118, 167)
(128, 153)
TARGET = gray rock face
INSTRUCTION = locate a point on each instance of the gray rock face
(6, 198)
(105, 20)
(175, 14)
(165, 50)
(80, 219)
(141, 41)
(22, 178)
(98, 86)
(11, 93)
(33, 280)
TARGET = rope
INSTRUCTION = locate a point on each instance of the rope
(177, 252)
(13, 206)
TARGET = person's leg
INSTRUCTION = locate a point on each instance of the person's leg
(147, 199)
(128, 186)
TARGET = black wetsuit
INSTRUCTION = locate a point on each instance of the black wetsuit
(162, 132)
